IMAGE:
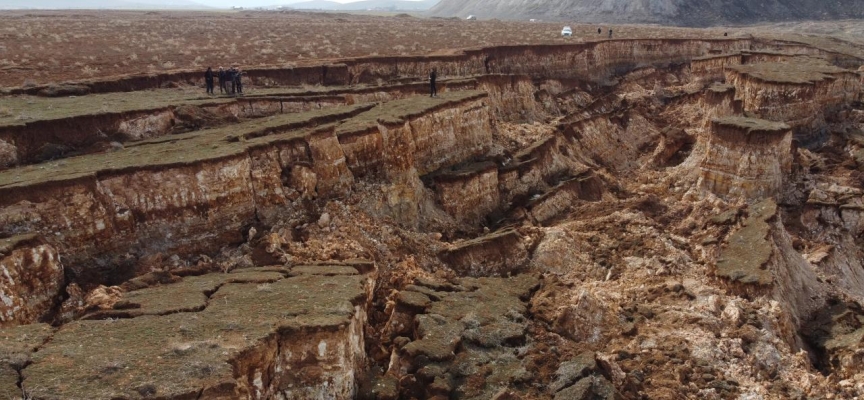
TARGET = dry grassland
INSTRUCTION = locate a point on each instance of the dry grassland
(58, 46)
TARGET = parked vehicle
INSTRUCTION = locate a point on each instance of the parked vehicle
(567, 32)
(471, 18)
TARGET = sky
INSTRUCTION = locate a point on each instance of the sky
(255, 3)
(211, 3)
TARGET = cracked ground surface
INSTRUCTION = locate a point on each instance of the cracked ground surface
(643, 235)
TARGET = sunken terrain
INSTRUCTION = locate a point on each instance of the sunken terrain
(637, 218)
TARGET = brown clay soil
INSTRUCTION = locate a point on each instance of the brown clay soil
(646, 287)
(58, 46)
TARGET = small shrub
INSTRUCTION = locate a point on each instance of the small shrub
(89, 71)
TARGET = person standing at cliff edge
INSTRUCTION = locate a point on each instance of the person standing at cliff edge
(610, 33)
(433, 76)
(208, 79)
(222, 88)
(231, 76)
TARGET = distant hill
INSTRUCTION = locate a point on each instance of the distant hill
(667, 12)
(385, 5)
(101, 4)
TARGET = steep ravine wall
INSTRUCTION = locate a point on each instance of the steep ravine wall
(795, 95)
(834, 215)
(590, 61)
(101, 221)
(747, 158)
(40, 140)
(425, 144)
(790, 100)
(31, 275)
(759, 260)
(255, 334)
(714, 66)
(96, 221)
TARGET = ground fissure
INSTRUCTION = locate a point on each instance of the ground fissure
(528, 234)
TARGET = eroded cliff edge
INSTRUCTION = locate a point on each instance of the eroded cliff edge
(671, 231)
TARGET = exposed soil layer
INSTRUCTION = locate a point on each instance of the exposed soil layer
(226, 346)
(626, 219)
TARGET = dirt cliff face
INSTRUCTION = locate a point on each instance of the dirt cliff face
(758, 171)
(32, 279)
(670, 219)
(794, 92)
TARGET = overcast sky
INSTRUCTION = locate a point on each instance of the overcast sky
(15, 4)
(255, 3)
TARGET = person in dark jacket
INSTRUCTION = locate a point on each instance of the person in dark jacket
(231, 74)
(238, 80)
(433, 76)
(222, 88)
(599, 31)
(610, 33)
(208, 79)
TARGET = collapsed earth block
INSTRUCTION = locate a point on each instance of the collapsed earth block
(692, 205)
(456, 349)
(747, 158)
(252, 335)
(31, 279)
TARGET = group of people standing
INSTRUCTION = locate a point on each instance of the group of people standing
(231, 78)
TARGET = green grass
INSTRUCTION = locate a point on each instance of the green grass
(824, 42)
(19, 110)
(398, 111)
(17, 342)
(804, 71)
(749, 248)
(188, 295)
(179, 354)
(721, 87)
(752, 125)
(22, 109)
(225, 141)
(179, 149)
(10, 243)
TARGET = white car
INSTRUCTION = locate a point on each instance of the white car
(471, 18)
(567, 31)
